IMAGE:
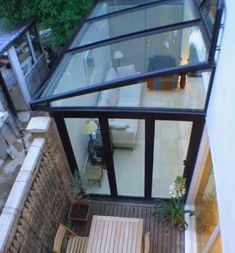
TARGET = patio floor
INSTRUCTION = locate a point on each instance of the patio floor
(163, 239)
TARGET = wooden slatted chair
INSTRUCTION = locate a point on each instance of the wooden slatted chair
(66, 241)
(146, 243)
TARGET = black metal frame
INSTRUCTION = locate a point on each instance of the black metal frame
(150, 118)
(150, 115)
(149, 156)
(120, 83)
(68, 149)
(93, 88)
(130, 36)
(107, 146)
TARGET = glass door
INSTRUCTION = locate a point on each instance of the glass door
(86, 140)
(128, 142)
(206, 210)
(171, 144)
(132, 157)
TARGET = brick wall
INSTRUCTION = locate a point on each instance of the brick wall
(38, 201)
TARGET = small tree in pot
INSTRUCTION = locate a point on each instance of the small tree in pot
(79, 208)
(172, 212)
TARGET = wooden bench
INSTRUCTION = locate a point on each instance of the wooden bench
(69, 242)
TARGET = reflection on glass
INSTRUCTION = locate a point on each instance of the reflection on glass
(87, 146)
(35, 42)
(127, 136)
(140, 55)
(206, 207)
(171, 144)
(209, 12)
(24, 54)
(109, 6)
(217, 246)
(186, 91)
(165, 13)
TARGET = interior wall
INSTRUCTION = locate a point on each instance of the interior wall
(221, 124)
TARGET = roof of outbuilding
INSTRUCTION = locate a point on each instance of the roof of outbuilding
(10, 33)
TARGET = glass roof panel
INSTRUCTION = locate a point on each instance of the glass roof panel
(110, 6)
(161, 14)
(128, 58)
(179, 91)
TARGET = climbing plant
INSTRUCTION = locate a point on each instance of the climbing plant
(61, 16)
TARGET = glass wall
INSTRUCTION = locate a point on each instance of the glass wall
(206, 209)
(123, 169)
(128, 140)
(85, 137)
(171, 144)
(135, 56)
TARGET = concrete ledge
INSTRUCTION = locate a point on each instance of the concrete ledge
(6, 223)
(19, 189)
(39, 125)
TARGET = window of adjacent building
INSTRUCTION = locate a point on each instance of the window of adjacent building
(24, 54)
(28, 50)
(206, 210)
(35, 42)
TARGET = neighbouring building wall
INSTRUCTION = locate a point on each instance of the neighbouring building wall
(38, 200)
(221, 129)
(37, 75)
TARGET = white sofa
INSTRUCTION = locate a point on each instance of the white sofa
(124, 131)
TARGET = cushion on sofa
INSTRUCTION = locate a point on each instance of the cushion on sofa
(130, 90)
(129, 102)
(111, 97)
(118, 125)
(126, 71)
(111, 75)
(103, 102)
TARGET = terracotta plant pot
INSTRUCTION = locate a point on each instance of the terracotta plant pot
(79, 212)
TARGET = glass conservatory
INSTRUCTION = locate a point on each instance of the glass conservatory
(130, 94)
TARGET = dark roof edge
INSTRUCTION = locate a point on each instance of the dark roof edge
(18, 33)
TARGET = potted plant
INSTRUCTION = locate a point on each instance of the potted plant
(79, 207)
(172, 212)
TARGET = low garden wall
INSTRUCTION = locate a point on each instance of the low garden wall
(38, 201)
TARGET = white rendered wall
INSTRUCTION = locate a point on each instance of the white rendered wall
(221, 130)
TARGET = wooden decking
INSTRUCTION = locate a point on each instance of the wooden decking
(163, 239)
